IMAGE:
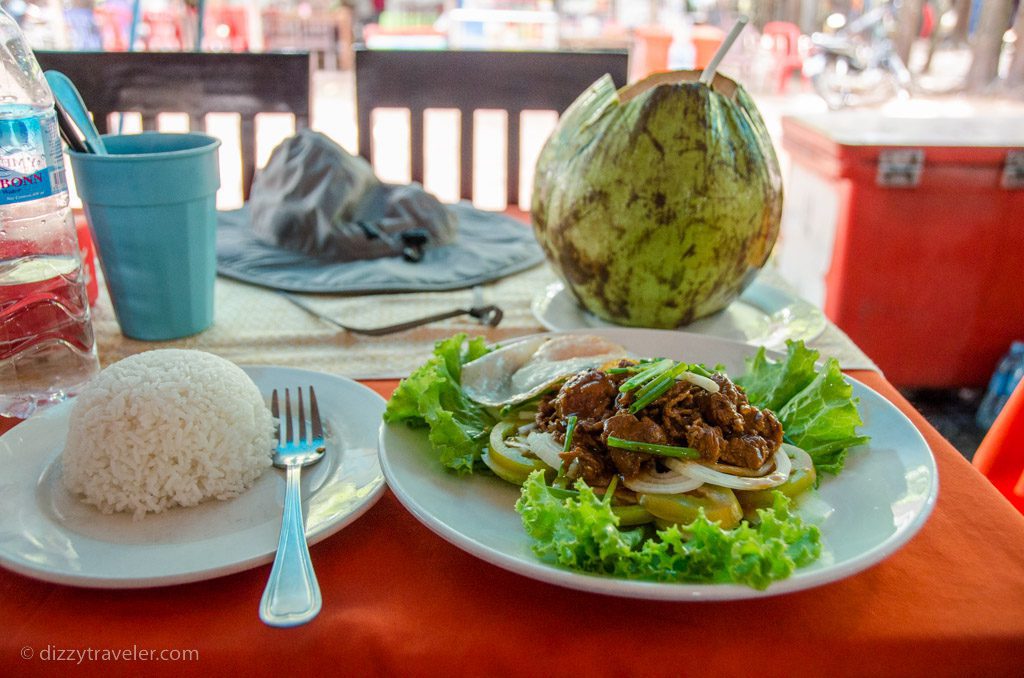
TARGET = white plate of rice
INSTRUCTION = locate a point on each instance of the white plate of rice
(49, 534)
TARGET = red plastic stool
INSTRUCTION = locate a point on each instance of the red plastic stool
(785, 46)
(1000, 457)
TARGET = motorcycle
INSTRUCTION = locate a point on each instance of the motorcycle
(858, 64)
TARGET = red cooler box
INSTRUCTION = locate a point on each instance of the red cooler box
(910, 234)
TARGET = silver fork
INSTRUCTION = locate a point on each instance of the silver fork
(292, 595)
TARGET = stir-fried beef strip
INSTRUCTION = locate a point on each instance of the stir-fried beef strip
(628, 427)
(724, 427)
(590, 395)
(595, 469)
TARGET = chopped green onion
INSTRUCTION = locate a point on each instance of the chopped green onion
(645, 399)
(566, 493)
(638, 366)
(646, 375)
(570, 426)
(653, 390)
(698, 368)
(654, 448)
(609, 491)
(561, 492)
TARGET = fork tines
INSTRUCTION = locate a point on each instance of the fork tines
(314, 416)
(285, 431)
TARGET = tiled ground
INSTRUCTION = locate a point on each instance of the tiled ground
(951, 412)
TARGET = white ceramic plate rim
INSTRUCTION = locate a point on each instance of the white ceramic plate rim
(918, 508)
(355, 462)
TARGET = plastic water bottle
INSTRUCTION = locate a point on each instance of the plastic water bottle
(47, 347)
(1006, 377)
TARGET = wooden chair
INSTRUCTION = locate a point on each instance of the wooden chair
(470, 81)
(195, 83)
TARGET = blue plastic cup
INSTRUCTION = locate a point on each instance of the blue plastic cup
(151, 204)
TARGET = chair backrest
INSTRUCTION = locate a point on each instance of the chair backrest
(195, 83)
(470, 81)
(1000, 457)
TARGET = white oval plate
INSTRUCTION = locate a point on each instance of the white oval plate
(762, 316)
(48, 534)
(879, 501)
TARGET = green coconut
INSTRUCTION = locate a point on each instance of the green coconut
(658, 203)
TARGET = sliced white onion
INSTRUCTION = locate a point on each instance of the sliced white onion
(709, 385)
(668, 482)
(801, 460)
(526, 428)
(764, 470)
(544, 446)
(698, 471)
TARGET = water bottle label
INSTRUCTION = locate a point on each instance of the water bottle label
(26, 160)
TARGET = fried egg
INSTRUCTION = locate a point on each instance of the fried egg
(520, 371)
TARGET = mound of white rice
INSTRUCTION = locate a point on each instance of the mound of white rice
(166, 428)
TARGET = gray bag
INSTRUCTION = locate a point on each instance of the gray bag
(316, 199)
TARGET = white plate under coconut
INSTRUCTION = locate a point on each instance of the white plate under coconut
(879, 501)
(48, 534)
(762, 315)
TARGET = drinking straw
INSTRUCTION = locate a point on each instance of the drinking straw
(709, 73)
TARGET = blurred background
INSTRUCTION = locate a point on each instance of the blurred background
(946, 45)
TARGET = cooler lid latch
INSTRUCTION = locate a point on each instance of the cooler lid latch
(900, 167)
(1013, 170)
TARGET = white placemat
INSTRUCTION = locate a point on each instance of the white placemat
(253, 325)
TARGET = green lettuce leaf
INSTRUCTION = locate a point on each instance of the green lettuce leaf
(581, 533)
(823, 419)
(771, 384)
(817, 408)
(432, 396)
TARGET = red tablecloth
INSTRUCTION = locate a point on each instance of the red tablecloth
(399, 600)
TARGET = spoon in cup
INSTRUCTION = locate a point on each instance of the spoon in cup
(69, 98)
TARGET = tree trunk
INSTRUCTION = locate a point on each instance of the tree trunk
(963, 20)
(988, 43)
(907, 27)
(1015, 76)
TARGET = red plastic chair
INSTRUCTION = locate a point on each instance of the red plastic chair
(164, 31)
(785, 47)
(227, 29)
(114, 23)
(1000, 457)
